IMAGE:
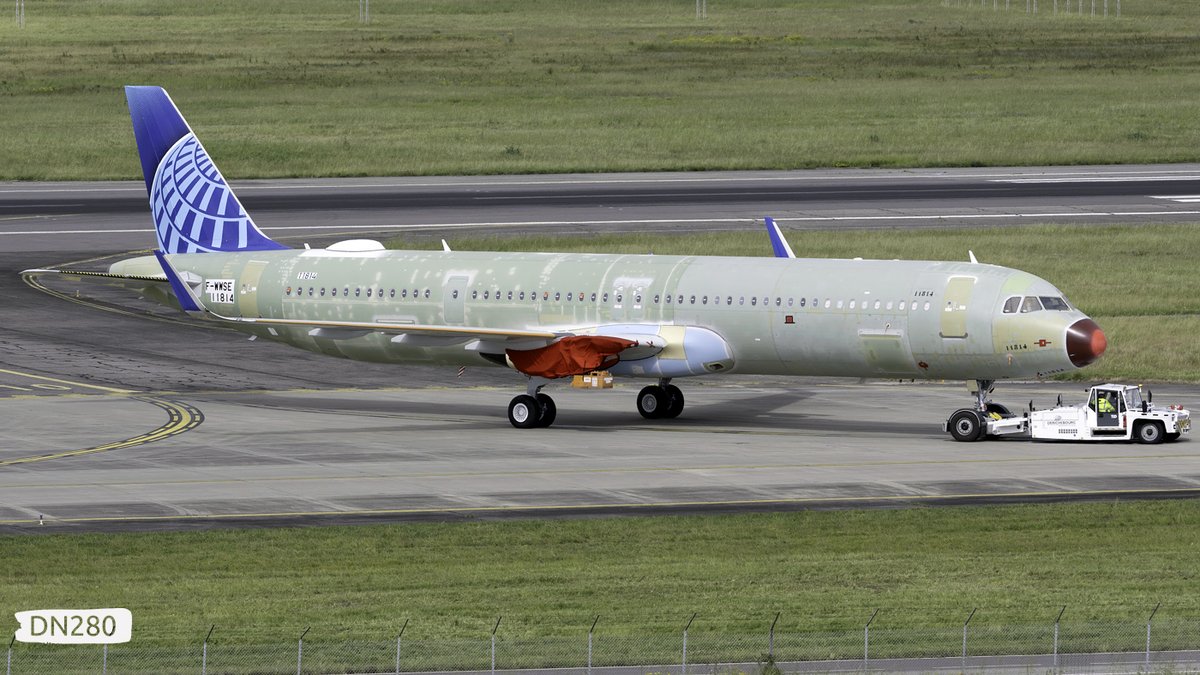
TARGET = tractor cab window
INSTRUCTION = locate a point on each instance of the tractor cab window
(1030, 304)
(1133, 399)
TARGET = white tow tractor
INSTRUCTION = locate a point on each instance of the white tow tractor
(1113, 412)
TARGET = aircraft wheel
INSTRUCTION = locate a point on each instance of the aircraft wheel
(652, 402)
(674, 402)
(549, 410)
(1149, 433)
(524, 412)
(966, 425)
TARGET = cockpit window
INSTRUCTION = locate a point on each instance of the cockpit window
(1011, 305)
(1030, 304)
(1055, 304)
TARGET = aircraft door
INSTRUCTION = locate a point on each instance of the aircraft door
(454, 297)
(248, 288)
(954, 306)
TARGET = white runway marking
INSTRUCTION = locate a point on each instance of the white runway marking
(664, 221)
(1098, 179)
(1183, 199)
(799, 176)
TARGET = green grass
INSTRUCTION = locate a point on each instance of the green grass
(300, 88)
(825, 571)
(1138, 281)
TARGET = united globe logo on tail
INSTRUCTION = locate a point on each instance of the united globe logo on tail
(194, 210)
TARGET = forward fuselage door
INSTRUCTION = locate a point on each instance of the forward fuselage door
(248, 288)
(454, 297)
(954, 306)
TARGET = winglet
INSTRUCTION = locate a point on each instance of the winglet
(187, 298)
(778, 243)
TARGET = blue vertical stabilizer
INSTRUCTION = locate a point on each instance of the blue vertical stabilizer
(193, 207)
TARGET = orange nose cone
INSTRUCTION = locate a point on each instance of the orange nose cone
(1085, 342)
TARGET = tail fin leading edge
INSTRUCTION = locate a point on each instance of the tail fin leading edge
(194, 209)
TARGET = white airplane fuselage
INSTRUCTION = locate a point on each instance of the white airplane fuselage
(853, 318)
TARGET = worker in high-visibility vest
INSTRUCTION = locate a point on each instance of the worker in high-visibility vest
(1104, 404)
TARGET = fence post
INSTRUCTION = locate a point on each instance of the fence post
(494, 629)
(771, 638)
(300, 651)
(204, 653)
(867, 638)
(1148, 621)
(590, 631)
(104, 669)
(1056, 620)
(964, 652)
(398, 645)
(8, 668)
(685, 633)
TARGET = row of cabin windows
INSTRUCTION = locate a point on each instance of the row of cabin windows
(571, 296)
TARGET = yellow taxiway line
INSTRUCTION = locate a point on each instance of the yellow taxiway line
(181, 417)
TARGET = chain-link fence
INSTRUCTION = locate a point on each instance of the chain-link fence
(1166, 645)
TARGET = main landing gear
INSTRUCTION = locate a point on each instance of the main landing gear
(662, 400)
(534, 409)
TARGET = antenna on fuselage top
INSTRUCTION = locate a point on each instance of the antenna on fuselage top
(445, 246)
(972, 256)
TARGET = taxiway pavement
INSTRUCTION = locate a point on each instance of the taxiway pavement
(117, 415)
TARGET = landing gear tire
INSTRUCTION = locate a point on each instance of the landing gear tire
(653, 402)
(674, 402)
(967, 425)
(524, 412)
(549, 410)
(1149, 433)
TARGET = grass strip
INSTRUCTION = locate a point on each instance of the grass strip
(302, 88)
(825, 571)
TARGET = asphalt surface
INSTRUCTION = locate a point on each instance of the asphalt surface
(122, 415)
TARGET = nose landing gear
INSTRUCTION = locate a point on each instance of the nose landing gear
(970, 424)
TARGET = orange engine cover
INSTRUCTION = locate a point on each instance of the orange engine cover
(569, 356)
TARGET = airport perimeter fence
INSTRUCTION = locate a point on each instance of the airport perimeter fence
(1165, 645)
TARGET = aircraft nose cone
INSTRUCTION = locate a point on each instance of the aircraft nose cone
(1085, 342)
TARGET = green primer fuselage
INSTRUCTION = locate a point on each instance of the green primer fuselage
(855, 318)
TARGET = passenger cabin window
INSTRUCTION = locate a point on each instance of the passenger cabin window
(1012, 304)
(1030, 304)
